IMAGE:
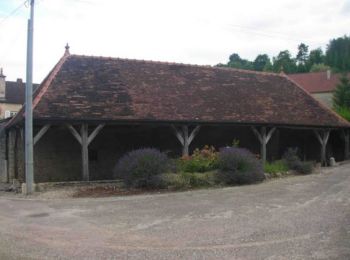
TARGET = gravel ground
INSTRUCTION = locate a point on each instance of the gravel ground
(304, 217)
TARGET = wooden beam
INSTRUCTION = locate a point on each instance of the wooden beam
(194, 133)
(263, 137)
(270, 133)
(178, 135)
(323, 136)
(94, 133)
(257, 134)
(85, 151)
(41, 132)
(85, 139)
(185, 148)
(185, 138)
(74, 133)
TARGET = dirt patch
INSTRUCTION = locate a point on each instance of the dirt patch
(97, 192)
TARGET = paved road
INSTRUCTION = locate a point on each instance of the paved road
(305, 217)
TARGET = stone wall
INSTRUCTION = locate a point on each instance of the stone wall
(57, 155)
(3, 159)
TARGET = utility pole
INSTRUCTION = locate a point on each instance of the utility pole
(29, 105)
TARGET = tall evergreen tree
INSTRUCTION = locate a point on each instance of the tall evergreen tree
(338, 53)
(302, 57)
(341, 96)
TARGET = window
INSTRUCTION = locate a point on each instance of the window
(9, 113)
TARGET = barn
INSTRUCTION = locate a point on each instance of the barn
(90, 110)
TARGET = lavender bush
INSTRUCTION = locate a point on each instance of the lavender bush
(142, 168)
(239, 166)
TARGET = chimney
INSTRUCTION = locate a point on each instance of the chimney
(328, 74)
(2, 84)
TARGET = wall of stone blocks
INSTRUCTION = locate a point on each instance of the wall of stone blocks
(3, 159)
(57, 155)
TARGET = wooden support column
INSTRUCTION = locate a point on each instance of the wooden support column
(40, 134)
(84, 133)
(323, 136)
(264, 137)
(85, 139)
(184, 137)
(346, 137)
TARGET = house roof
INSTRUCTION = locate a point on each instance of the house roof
(112, 89)
(15, 92)
(317, 82)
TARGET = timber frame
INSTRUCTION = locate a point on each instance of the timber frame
(185, 132)
(264, 136)
(85, 139)
(185, 139)
(322, 137)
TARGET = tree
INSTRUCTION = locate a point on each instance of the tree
(284, 62)
(302, 57)
(316, 56)
(341, 96)
(235, 61)
(319, 67)
(338, 53)
(262, 62)
(303, 53)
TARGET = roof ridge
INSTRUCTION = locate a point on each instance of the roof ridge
(47, 81)
(177, 63)
(317, 101)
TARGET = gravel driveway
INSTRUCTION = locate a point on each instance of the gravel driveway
(306, 217)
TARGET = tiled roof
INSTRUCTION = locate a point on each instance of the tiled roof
(316, 82)
(112, 89)
(15, 92)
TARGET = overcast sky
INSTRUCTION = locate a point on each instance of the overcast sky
(187, 31)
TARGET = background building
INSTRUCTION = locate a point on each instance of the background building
(12, 96)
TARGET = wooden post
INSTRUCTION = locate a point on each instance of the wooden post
(346, 137)
(323, 136)
(41, 132)
(85, 139)
(184, 138)
(85, 151)
(264, 137)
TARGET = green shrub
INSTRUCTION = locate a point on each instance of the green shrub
(291, 158)
(294, 163)
(279, 166)
(343, 112)
(142, 168)
(304, 168)
(239, 166)
(200, 161)
(186, 180)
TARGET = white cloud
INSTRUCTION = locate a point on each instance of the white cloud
(203, 32)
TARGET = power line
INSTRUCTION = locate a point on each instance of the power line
(13, 12)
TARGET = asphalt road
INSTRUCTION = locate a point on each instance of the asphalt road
(306, 217)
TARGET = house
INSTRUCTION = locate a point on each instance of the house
(321, 85)
(12, 96)
(90, 110)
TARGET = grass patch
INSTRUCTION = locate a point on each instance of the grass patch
(189, 180)
(279, 166)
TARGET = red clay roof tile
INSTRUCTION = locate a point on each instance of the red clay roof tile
(113, 89)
